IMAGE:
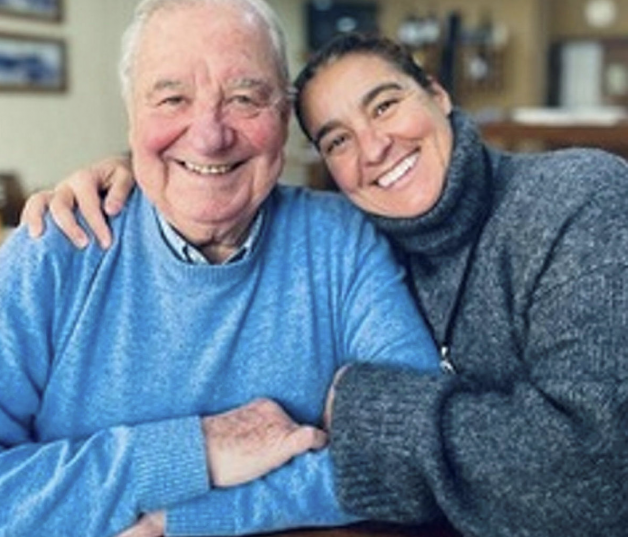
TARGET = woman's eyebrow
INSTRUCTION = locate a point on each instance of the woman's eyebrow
(324, 131)
(371, 95)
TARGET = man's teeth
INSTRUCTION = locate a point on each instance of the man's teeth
(398, 171)
(209, 169)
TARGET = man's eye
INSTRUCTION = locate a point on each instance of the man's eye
(245, 101)
(245, 105)
(172, 101)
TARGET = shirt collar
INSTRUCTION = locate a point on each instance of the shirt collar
(188, 253)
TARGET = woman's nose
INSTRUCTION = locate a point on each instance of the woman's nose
(374, 144)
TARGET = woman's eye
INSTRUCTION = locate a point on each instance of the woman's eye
(335, 144)
(384, 106)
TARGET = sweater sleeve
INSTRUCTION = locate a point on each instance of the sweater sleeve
(299, 494)
(98, 482)
(540, 455)
(114, 475)
(546, 457)
(377, 319)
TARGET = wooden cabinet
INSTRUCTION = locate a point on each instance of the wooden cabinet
(11, 199)
(513, 135)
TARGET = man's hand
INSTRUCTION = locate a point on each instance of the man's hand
(250, 441)
(150, 525)
(113, 176)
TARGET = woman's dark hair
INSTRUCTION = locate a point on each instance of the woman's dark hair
(356, 43)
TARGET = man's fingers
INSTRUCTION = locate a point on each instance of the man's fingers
(33, 212)
(249, 441)
(305, 438)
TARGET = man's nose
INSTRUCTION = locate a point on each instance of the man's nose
(210, 131)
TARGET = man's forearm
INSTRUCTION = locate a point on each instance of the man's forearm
(299, 494)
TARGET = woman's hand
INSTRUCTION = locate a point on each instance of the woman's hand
(329, 403)
(83, 189)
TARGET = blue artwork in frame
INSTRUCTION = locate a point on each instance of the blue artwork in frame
(48, 10)
(32, 63)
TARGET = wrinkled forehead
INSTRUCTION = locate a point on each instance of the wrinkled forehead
(225, 40)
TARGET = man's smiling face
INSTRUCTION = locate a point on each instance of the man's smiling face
(208, 118)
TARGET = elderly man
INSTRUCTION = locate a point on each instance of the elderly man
(121, 368)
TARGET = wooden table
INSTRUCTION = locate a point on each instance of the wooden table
(372, 529)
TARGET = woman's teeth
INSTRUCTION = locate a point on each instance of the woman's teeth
(398, 171)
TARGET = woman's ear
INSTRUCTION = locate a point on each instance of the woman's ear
(441, 97)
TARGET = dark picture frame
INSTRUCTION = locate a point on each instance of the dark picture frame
(32, 63)
(44, 10)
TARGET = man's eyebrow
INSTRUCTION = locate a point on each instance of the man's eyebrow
(164, 84)
(250, 83)
(367, 99)
(246, 82)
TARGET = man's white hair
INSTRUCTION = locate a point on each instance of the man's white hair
(147, 8)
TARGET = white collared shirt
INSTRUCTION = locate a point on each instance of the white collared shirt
(189, 253)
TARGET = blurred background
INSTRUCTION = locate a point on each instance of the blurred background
(536, 73)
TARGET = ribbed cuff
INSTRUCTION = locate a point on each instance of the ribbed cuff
(169, 463)
(196, 517)
(383, 434)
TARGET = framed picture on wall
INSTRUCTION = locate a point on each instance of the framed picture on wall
(32, 63)
(46, 10)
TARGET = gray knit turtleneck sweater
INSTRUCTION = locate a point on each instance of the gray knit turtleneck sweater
(522, 271)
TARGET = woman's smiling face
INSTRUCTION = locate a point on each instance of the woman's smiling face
(386, 140)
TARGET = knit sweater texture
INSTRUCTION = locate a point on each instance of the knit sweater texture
(109, 359)
(521, 270)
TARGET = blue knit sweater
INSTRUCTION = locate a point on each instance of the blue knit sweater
(109, 358)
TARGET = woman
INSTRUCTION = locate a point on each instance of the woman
(520, 265)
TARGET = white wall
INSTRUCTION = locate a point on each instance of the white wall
(298, 153)
(43, 137)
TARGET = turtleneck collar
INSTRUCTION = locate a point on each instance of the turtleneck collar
(457, 216)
